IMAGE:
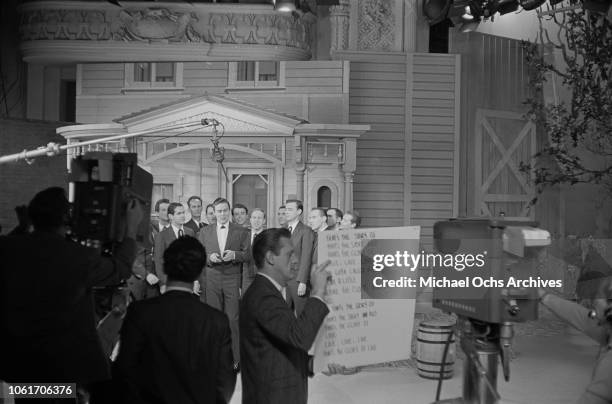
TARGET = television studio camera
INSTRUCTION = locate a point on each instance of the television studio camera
(486, 314)
(101, 186)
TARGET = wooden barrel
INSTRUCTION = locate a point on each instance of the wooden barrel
(431, 338)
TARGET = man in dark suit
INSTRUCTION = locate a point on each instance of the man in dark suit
(274, 343)
(227, 248)
(176, 214)
(303, 239)
(258, 219)
(157, 225)
(174, 348)
(195, 208)
(47, 332)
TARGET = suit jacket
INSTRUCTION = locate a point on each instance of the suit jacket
(274, 345)
(162, 241)
(303, 239)
(237, 240)
(175, 349)
(194, 226)
(47, 321)
(248, 267)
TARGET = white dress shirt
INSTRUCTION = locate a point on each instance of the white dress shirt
(253, 235)
(161, 226)
(176, 230)
(222, 236)
(293, 225)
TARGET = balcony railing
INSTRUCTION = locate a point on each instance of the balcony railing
(97, 31)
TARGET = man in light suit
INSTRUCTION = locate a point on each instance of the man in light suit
(227, 248)
(194, 204)
(303, 239)
(176, 214)
(258, 219)
(274, 341)
(174, 348)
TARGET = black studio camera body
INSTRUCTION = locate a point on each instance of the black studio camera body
(101, 186)
(511, 248)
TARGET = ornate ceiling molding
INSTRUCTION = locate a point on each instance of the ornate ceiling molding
(74, 31)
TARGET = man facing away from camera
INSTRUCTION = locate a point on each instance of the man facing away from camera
(273, 341)
(47, 331)
(595, 322)
(174, 348)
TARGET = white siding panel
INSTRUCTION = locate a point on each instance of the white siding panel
(433, 127)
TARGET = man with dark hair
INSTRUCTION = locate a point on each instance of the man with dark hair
(240, 213)
(350, 220)
(210, 214)
(195, 208)
(174, 348)
(595, 321)
(227, 248)
(47, 332)
(281, 216)
(176, 214)
(303, 239)
(274, 342)
(161, 208)
(334, 217)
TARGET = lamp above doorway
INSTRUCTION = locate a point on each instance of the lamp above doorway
(286, 6)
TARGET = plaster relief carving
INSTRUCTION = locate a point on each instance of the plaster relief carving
(152, 24)
(376, 25)
(202, 23)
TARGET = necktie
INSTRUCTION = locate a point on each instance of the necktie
(223, 227)
(181, 233)
(200, 225)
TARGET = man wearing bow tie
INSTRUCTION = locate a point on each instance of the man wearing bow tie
(176, 216)
(258, 219)
(226, 247)
(195, 208)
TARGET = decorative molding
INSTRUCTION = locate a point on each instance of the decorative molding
(231, 27)
(340, 20)
(377, 25)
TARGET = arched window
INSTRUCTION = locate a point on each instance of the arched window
(324, 197)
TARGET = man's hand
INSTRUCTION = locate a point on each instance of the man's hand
(134, 215)
(215, 257)
(301, 289)
(162, 289)
(152, 279)
(229, 255)
(196, 288)
(318, 279)
(336, 369)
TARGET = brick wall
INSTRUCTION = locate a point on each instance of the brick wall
(19, 181)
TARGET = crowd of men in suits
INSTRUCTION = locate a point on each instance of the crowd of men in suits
(228, 234)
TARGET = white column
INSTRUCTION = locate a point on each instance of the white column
(411, 22)
(348, 190)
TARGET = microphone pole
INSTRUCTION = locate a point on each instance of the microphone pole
(53, 149)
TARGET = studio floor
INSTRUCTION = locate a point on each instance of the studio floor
(552, 365)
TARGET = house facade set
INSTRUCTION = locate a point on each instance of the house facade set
(342, 106)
